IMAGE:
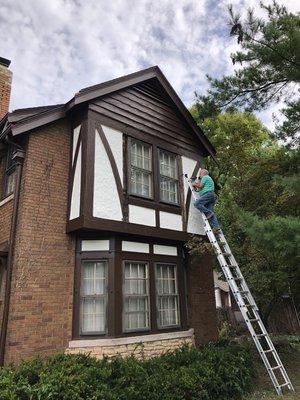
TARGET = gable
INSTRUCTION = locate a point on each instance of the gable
(148, 108)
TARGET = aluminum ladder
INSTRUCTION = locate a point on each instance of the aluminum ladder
(247, 305)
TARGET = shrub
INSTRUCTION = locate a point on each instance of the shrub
(210, 373)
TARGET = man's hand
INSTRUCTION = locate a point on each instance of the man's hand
(198, 184)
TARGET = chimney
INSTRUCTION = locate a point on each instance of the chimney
(5, 86)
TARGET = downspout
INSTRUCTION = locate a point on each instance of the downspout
(18, 157)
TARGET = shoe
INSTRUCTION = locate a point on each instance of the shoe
(209, 216)
(216, 231)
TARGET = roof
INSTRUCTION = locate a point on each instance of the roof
(23, 120)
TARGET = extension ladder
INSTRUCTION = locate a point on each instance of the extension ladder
(247, 305)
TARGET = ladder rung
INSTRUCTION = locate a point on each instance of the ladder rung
(277, 367)
(262, 335)
(226, 254)
(243, 291)
(268, 351)
(249, 305)
(253, 320)
(238, 278)
(284, 384)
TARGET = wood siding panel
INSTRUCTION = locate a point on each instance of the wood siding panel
(143, 107)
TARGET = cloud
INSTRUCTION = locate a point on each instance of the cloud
(58, 47)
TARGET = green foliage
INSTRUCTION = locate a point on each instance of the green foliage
(258, 204)
(269, 69)
(210, 373)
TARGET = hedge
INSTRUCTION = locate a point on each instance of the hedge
(209, 373)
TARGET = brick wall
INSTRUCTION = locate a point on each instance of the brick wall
(5, 89)
(40, 317)
(201, 299)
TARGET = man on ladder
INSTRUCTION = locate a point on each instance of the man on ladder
(206, 198)
(236, 281)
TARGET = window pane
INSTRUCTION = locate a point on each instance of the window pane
(136, 298)
(93, 296)
(168, 177)
(140, 168)
(167, 295)
(10, 183)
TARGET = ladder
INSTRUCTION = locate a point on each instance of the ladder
(247, 305)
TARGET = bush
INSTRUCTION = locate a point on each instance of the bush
(211, 373)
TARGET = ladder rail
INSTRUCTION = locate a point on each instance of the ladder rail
(241, 301)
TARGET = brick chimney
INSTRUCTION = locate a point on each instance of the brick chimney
(5, 86)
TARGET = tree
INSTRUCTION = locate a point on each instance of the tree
(258, 204)
(269, 69)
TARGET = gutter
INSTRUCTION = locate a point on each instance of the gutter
(18, 156)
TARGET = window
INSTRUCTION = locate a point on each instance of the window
(10, 174)
(136, 296)
(168, 177)
(93, 296)
(167, 295)
(140, 168)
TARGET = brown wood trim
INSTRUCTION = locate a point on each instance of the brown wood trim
(181, 194)
(113, 165)
(144, 136)
(105, 225)
(89, 170)
(189, 194)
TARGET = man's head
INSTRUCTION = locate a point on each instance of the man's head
(203, 172)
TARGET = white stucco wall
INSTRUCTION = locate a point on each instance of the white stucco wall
(76, 189)
(106, 202)
(195, 221)
(115, 140)
(170, 221)
(141, 215)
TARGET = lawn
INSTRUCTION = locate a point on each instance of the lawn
(289, 351)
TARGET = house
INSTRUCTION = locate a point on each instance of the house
(94, 217)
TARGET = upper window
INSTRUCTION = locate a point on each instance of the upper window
(167, 295)
(10, 174)
(136, 296)
(140, 168)
(93, 296)
(168, 170)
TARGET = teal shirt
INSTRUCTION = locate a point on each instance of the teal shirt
(209, 185)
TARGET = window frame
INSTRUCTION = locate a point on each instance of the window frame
(10, 169)
(147, 262)
(129, 166)
(154, 201)
(177, 295)
(93, 333)
(159, 149)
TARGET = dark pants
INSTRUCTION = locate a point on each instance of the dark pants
(205, 204)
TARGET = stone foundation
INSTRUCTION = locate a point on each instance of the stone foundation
(140, 346)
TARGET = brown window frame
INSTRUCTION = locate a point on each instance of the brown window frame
(10, 169)
(159, 149)
(128, 167)
(116, 260)
(154, 201)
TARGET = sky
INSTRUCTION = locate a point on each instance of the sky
(58, 47)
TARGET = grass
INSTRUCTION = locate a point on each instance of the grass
(289, 351)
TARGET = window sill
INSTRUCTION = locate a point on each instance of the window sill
(73, 344)
(6, 199)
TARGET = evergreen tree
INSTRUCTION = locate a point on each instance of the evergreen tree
(268, 69)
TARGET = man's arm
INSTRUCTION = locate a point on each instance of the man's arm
(198, 184)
